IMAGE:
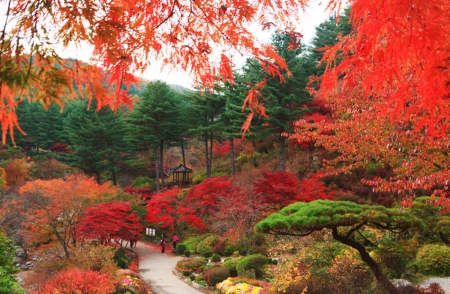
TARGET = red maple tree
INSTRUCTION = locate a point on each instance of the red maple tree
(168, 210)
(110, 222)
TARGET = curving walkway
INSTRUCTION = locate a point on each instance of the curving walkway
(157, 269)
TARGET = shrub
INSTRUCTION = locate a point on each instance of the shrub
(207, 254)
(144, 182)
(192, 243)
(231, 264)
(192, 277)
(187, 253)
(216, 275)
(121, 259)
(75, 280)
(190, 264)
(186, 273)
(180, 249)
(434, 260)
(98, 258)
(129, 284)
(199, 277)
(252, 262)
(219, 248)
(205, 247)
(215, 258)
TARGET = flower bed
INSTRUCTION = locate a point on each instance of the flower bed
(230, 287)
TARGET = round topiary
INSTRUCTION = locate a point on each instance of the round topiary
(180, 249)
(434, 260)
(254, 262)
(187, 253)
(216, 275)
(215, 258)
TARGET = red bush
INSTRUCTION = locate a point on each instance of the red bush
(75, 280)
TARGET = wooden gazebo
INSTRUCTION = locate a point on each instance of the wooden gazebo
(180, 175)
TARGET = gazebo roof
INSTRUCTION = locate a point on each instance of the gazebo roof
(181, 169)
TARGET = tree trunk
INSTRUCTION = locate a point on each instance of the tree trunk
(282, 153)
(157, 168)
(208, 167)
(97, 177)
(232, 155)
(161, 160)
(211, 138)
(381, 278)
(255, 163)
(183, 155)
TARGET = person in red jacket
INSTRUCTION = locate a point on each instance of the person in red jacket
(174, 241)
(163, 245)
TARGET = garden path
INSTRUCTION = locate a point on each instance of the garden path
(158, 268)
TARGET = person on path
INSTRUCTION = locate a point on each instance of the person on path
(174, 241)
(163, 245)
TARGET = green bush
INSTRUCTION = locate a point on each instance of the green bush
(252, 262)
(191, 243)
(180, 249)
(206, 246)
(186, 273)
(215, 258)
(190, 264)
(187, 253)
(192, 277)
(144, 182)
(434, 260)
(207, 254)
(121, 259)
(216, 275)
(231, 264)
(199, 277)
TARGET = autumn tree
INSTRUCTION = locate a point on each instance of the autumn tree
(16, 171)
(347, 222)
(110, 222)
(281, 188)
(388, 96)
(168, 210)
(126, 38)
(53, 208)
(227, 208)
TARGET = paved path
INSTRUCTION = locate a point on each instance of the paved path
(157, 269)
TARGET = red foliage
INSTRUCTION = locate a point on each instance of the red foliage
(145, 193)
(110, 221)
(222, 149)
(60, 148)
(75, 280)
(312, 189)
(205, 196)
(16, 172)
(168, 210)
(279, 188)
